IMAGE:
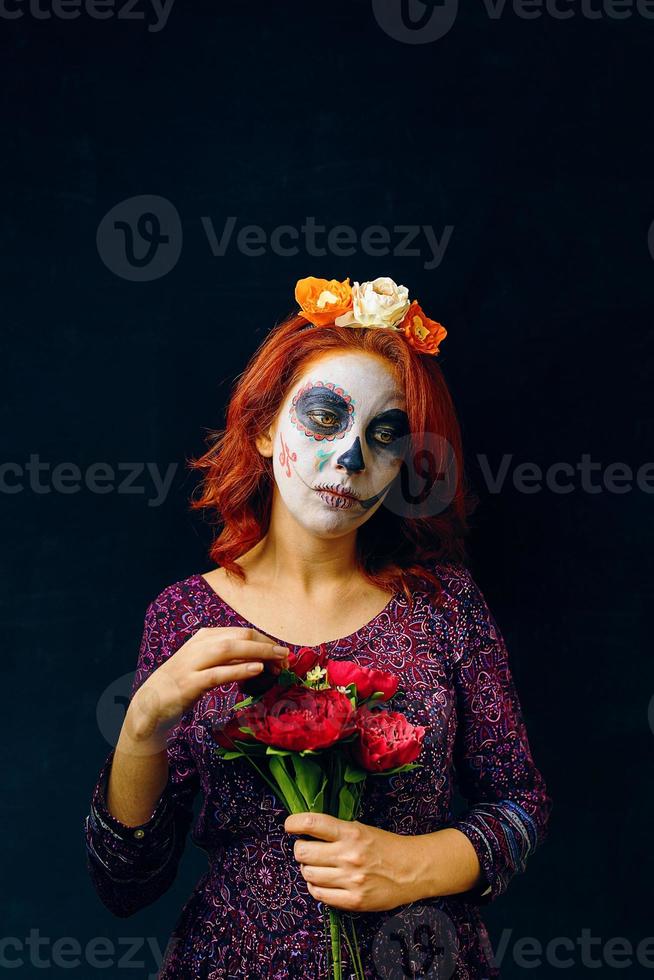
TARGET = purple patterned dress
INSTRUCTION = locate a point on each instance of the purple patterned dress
(251, 915)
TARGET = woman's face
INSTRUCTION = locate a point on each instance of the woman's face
(342, 427)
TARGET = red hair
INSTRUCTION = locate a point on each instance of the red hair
(237, 483)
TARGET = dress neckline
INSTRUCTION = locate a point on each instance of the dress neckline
(388, 608)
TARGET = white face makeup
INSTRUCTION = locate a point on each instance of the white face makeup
(338, 441)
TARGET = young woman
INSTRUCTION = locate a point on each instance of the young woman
(339, 486)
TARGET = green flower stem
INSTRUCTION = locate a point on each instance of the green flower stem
(325, 922)
(287, 785)
(335, 934)
(349, 948)
(353, 947)
(269, 782)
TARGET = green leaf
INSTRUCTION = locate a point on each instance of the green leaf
(271, 750)
(244, 703)
(346, 803)
(354, 775)
(318, 804)
(229, 754)
(404, 768)
(293, 800)
(308, 776)
(246, 728)
(287, 677)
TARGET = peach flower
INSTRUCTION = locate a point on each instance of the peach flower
(321, 300)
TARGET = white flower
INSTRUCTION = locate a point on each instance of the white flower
(380, 303)
(317, 678)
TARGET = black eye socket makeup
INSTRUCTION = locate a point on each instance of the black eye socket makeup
(322, 410)
(388, 427)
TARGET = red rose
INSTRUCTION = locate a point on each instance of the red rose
(226, 734)
(303, 660)
(340, 673)
(386, 739)
(299, 718)
(300, 661)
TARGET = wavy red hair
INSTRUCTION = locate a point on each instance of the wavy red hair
(237, 481)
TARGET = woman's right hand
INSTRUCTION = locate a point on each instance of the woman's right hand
(213, 656)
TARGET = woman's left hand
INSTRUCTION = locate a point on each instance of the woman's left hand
(354, 866)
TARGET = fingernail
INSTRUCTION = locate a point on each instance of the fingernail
(278, 649)
(255, 668)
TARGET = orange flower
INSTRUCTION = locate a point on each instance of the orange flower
(322, 300)
(421, 332)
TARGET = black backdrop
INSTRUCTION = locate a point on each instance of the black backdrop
(524, 144)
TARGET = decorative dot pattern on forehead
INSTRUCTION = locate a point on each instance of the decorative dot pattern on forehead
(321, 397)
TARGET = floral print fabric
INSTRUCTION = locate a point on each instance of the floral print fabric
(251, 915)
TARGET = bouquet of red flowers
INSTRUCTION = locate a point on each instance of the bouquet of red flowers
(314, 733)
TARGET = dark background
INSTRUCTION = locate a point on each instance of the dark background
(532, 139)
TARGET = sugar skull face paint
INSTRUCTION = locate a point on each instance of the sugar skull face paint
(338, 441)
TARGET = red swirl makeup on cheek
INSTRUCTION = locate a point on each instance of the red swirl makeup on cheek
(286, 456)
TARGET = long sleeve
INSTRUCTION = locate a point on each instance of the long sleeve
(130, 867)
(509, 806)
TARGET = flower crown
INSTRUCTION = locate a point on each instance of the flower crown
(380, 303)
